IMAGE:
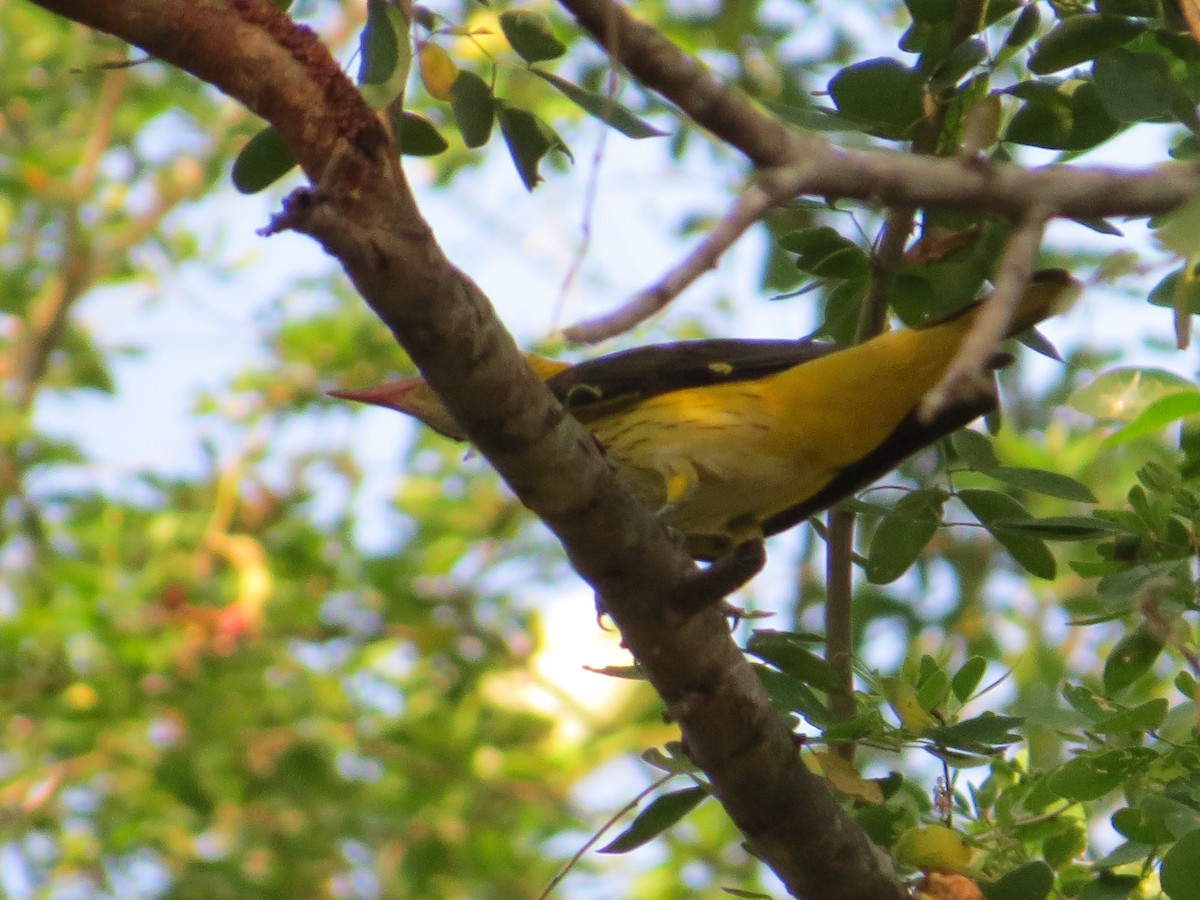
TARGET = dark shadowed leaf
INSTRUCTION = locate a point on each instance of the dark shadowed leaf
(990, 508)
(1134, 87)
(826, 253)
(967, 678)
(528, 139)
(1131, 658)
(1080, 38)
(1032, 881)
(474, 108)
(603, 108)
(902, 535)
(1090, 776)
(663, 812)
(1180, 873)
(1039, 481)
(529, 33)
(417, 136)
(787, 654)
(263, 161)
(882, 94)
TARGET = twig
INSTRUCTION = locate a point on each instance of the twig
(589, 207)
(839, 553)
(770, 190)
(594, 839)
(967, 375)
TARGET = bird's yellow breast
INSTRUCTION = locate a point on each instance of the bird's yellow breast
(721, 459)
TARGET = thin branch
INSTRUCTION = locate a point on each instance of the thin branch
(595, 838)
(882, 177)
(839, 644)
(969, 373)
(771, 189)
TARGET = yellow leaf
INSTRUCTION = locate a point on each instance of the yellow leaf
(438, 71)
(933, 847)
(844, 778)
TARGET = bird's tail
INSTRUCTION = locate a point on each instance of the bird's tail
(1050, 292)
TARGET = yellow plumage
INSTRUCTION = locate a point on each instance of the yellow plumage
(730, 440)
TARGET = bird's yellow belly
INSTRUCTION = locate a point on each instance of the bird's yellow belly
(710, 462)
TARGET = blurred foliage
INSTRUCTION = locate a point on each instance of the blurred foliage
(209, 689)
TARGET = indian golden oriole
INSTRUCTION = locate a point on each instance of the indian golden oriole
(732, 440)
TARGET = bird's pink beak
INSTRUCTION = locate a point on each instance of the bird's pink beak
(411, 396)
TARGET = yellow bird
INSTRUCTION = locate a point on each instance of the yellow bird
(733, 440)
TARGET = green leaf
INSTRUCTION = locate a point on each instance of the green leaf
(1177, 231)
(1039, 481)
(967, 678)
(883, 94)
(474, 108)
(661, 814)
(670, 759)
(1062, 528)
(1132, 656)
(1180, 872)
(852, 729)
(1066, 116)
(1185, 683)
(1023, 29)
(812, 118)
(826, 253)
(1144, 717)
(1134, 87)
(787, 654)
(1108, 886)
(1144, 9)
(1157, 416)
(378, 48)
(1029, 552)
(415, 135)
(528, 139)
(530, 34)
(1080, 38)
(1032, 881)
(385, 54)
(930, 10)
(1088, 702)
(1176, 291)
(630, 673)
(603, 108)
(902, 535)
(1120, 395)
(1089, 776)
(933, 690)
(1100, 226)
(983, 732)
(263, 161)
(1154, 819)
(962, 60)
(975, 449)
(792, 695)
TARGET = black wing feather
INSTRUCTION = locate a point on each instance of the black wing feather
(609, 382)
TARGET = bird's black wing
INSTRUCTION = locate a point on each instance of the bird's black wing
(604, 385)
